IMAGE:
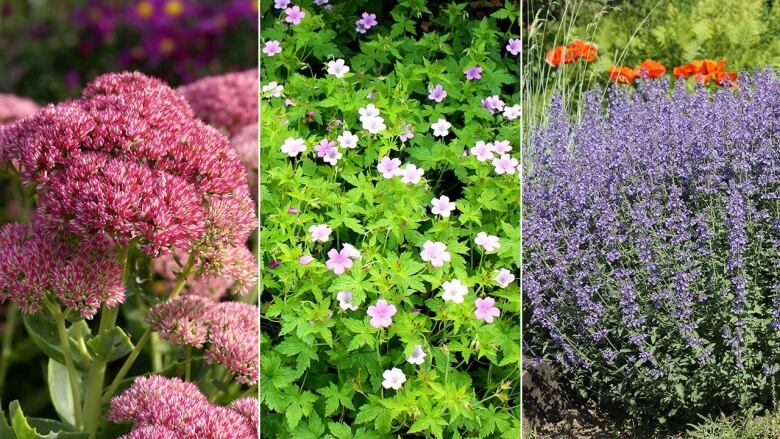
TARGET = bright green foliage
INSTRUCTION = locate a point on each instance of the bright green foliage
(322, 366)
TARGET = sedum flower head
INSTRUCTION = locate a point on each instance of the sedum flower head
(81, 276)
(15, 107)
(227, 102)
(129, 161)
(170, 407)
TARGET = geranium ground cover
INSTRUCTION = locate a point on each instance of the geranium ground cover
(390, 201)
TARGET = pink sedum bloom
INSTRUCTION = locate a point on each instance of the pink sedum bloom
(320, 232)
(338, 261)
(82, 277)
(435, 253)
(442, 206)
(418, 355)
(294, 15)
(504, 277)
(454, 291)
(227, 102)
(393, 378)
(182, 320)
(272, 48)
(389, 167)
(505, 164)
(381, 314)
(486, 310)
(13, 108)
(482, 151)
(411, 174)
(292, 147)
(488, 242)
(345, 300)
(167, 408)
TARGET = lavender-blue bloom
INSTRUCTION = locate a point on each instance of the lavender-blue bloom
(653, 225)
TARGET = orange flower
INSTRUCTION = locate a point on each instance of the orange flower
(650, 68)
(683, 71)
(622, 75)
(721, 77)
(582, 49)
(558, 55)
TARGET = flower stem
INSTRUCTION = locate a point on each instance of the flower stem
(12, 312)
(180, 281)
(188, 366)
(65, 346)
(95, 377)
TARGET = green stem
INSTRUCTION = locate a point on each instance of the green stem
(188, 366)
(126, 366)
(181, 280)
(95, 377)
(12, 312)
(74, 386)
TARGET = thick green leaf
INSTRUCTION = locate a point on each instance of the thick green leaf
(110, 345)
(5, 429)
(59, 390)
(43, 331)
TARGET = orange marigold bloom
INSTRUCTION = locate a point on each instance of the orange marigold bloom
(622, 75)
(652, 69)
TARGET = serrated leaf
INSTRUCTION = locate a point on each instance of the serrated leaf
(110, 345)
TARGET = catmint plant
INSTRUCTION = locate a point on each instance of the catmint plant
(651, 238)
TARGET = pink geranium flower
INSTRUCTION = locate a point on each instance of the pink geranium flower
(393, 378)
(505, 164)
(442, 206)
(338, 261)
(418, 355)
(320, 232)
(473, 73)
(345, 300)
(489, 242)
(294, 15)
(483, 151)
(411, 174)
(435, 253)
(389, 167)
(272, 47)
(381, 314)
(486, 310)
(305, 259)
(514, 46)
(437, 93)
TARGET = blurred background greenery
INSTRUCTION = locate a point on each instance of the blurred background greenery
(50, 48)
